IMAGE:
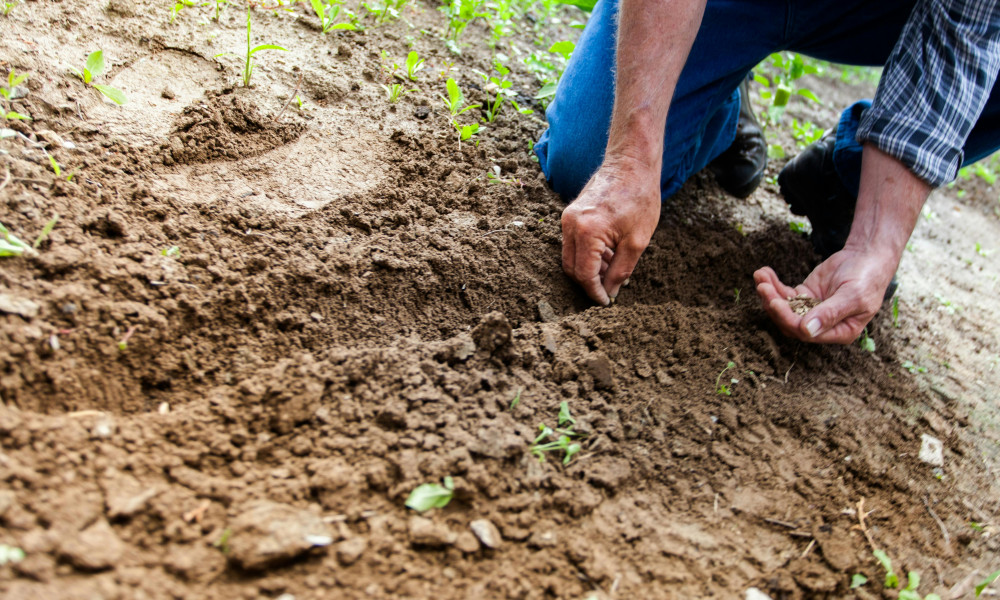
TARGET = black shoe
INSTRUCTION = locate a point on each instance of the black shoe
(812, 188)
(741, 167)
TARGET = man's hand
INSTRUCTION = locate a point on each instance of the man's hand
(608, 226)
(850, 285)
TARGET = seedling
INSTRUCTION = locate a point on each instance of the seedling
(866, 342)
(982, 251)
(493, 176)
(465, 132)
(11, 245)
(223, 542)
(725, 388)
(789, 66)
(502, 87)
(171, 251)
(13, 79)
(858, 580)
(798, 227)
(736, 293)
(455, 99)
(248, 65)
(13, 554)
(6, 7)
(395, 91)
(912, 368)
(460, 13)
(431, 495)
(413, 65)
(892, 580)
(563, 442)
(44, 235)
(986, 582)
(516, 400)
(94, 68)
(895, 312)
(328, 12)
(385, 9)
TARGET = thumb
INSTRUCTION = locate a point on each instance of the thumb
(826, 323)
(626, 257)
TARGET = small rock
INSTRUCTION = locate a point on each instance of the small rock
(543, 539)
(931, 450)
(642, 369)
(95, 548)
(424, 532)
(168, 94)
(755, 594)
(599, 368)
(487, 532)
(467, 543)
(18, 306)
(549, 342)
(350, 550)
(269, 533)
(546, 312)
(125, 496)
(663, 378)
(195, 562)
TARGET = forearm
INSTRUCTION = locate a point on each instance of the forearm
(888, 207)
(654, 39)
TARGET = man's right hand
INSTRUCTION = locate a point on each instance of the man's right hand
(608, 226)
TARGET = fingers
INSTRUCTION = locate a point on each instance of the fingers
(587, 265)
(625, 257)
(837, 320)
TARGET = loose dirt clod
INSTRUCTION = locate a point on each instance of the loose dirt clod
(802, 304)
(268, 534)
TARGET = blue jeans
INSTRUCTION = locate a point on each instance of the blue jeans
(735, 35)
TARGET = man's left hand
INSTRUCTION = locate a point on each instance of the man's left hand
(849, 285)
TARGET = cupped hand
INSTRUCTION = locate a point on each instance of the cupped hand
(609, 225)
(850, 285)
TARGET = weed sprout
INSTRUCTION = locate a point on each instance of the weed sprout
(94, 68)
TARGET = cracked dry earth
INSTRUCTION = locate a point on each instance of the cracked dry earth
(353, 308)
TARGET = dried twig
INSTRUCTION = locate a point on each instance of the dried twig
(196, 514)
(808, 548)
(6, 179)
(940, 523)
(789, 371)
(861, 524)
(290, 97)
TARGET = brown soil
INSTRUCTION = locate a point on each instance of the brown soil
(354, 309)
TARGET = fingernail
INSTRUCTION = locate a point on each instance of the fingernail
(625, 283)
(813, 327)
(611, 300)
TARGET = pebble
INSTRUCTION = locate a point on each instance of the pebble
(467, 543)
(424, 532)
(95, 548)
(269, 533)
(755, 594)
(350, 550)
(18, 306)
(546, 312)
(931, 450)
(487, 532)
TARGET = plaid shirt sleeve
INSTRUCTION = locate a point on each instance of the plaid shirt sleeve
(935, 85)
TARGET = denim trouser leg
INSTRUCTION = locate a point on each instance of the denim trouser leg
(734, 36)
(703, 114)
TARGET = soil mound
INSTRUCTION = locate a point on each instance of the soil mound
(225, 127)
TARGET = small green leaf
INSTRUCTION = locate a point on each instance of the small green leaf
(114, 94)
(548, 90)
(454, 93)
(764, 81)
(55, 166)
(986, 582)
(808, 94)
(45, 232)
(429, 495)
(266, 47)
(10, 554)
(858, 580)
(565, 48)
(95, 64)
(317, 7)
(564, 416)
(16, 115)
(891, 579)
(912, 581)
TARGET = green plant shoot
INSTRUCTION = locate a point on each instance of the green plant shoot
(94, 68)
(413, 65)
(431, 495)
(725, 388)
(455, 99)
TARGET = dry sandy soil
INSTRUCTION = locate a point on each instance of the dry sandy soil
(355, 307)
